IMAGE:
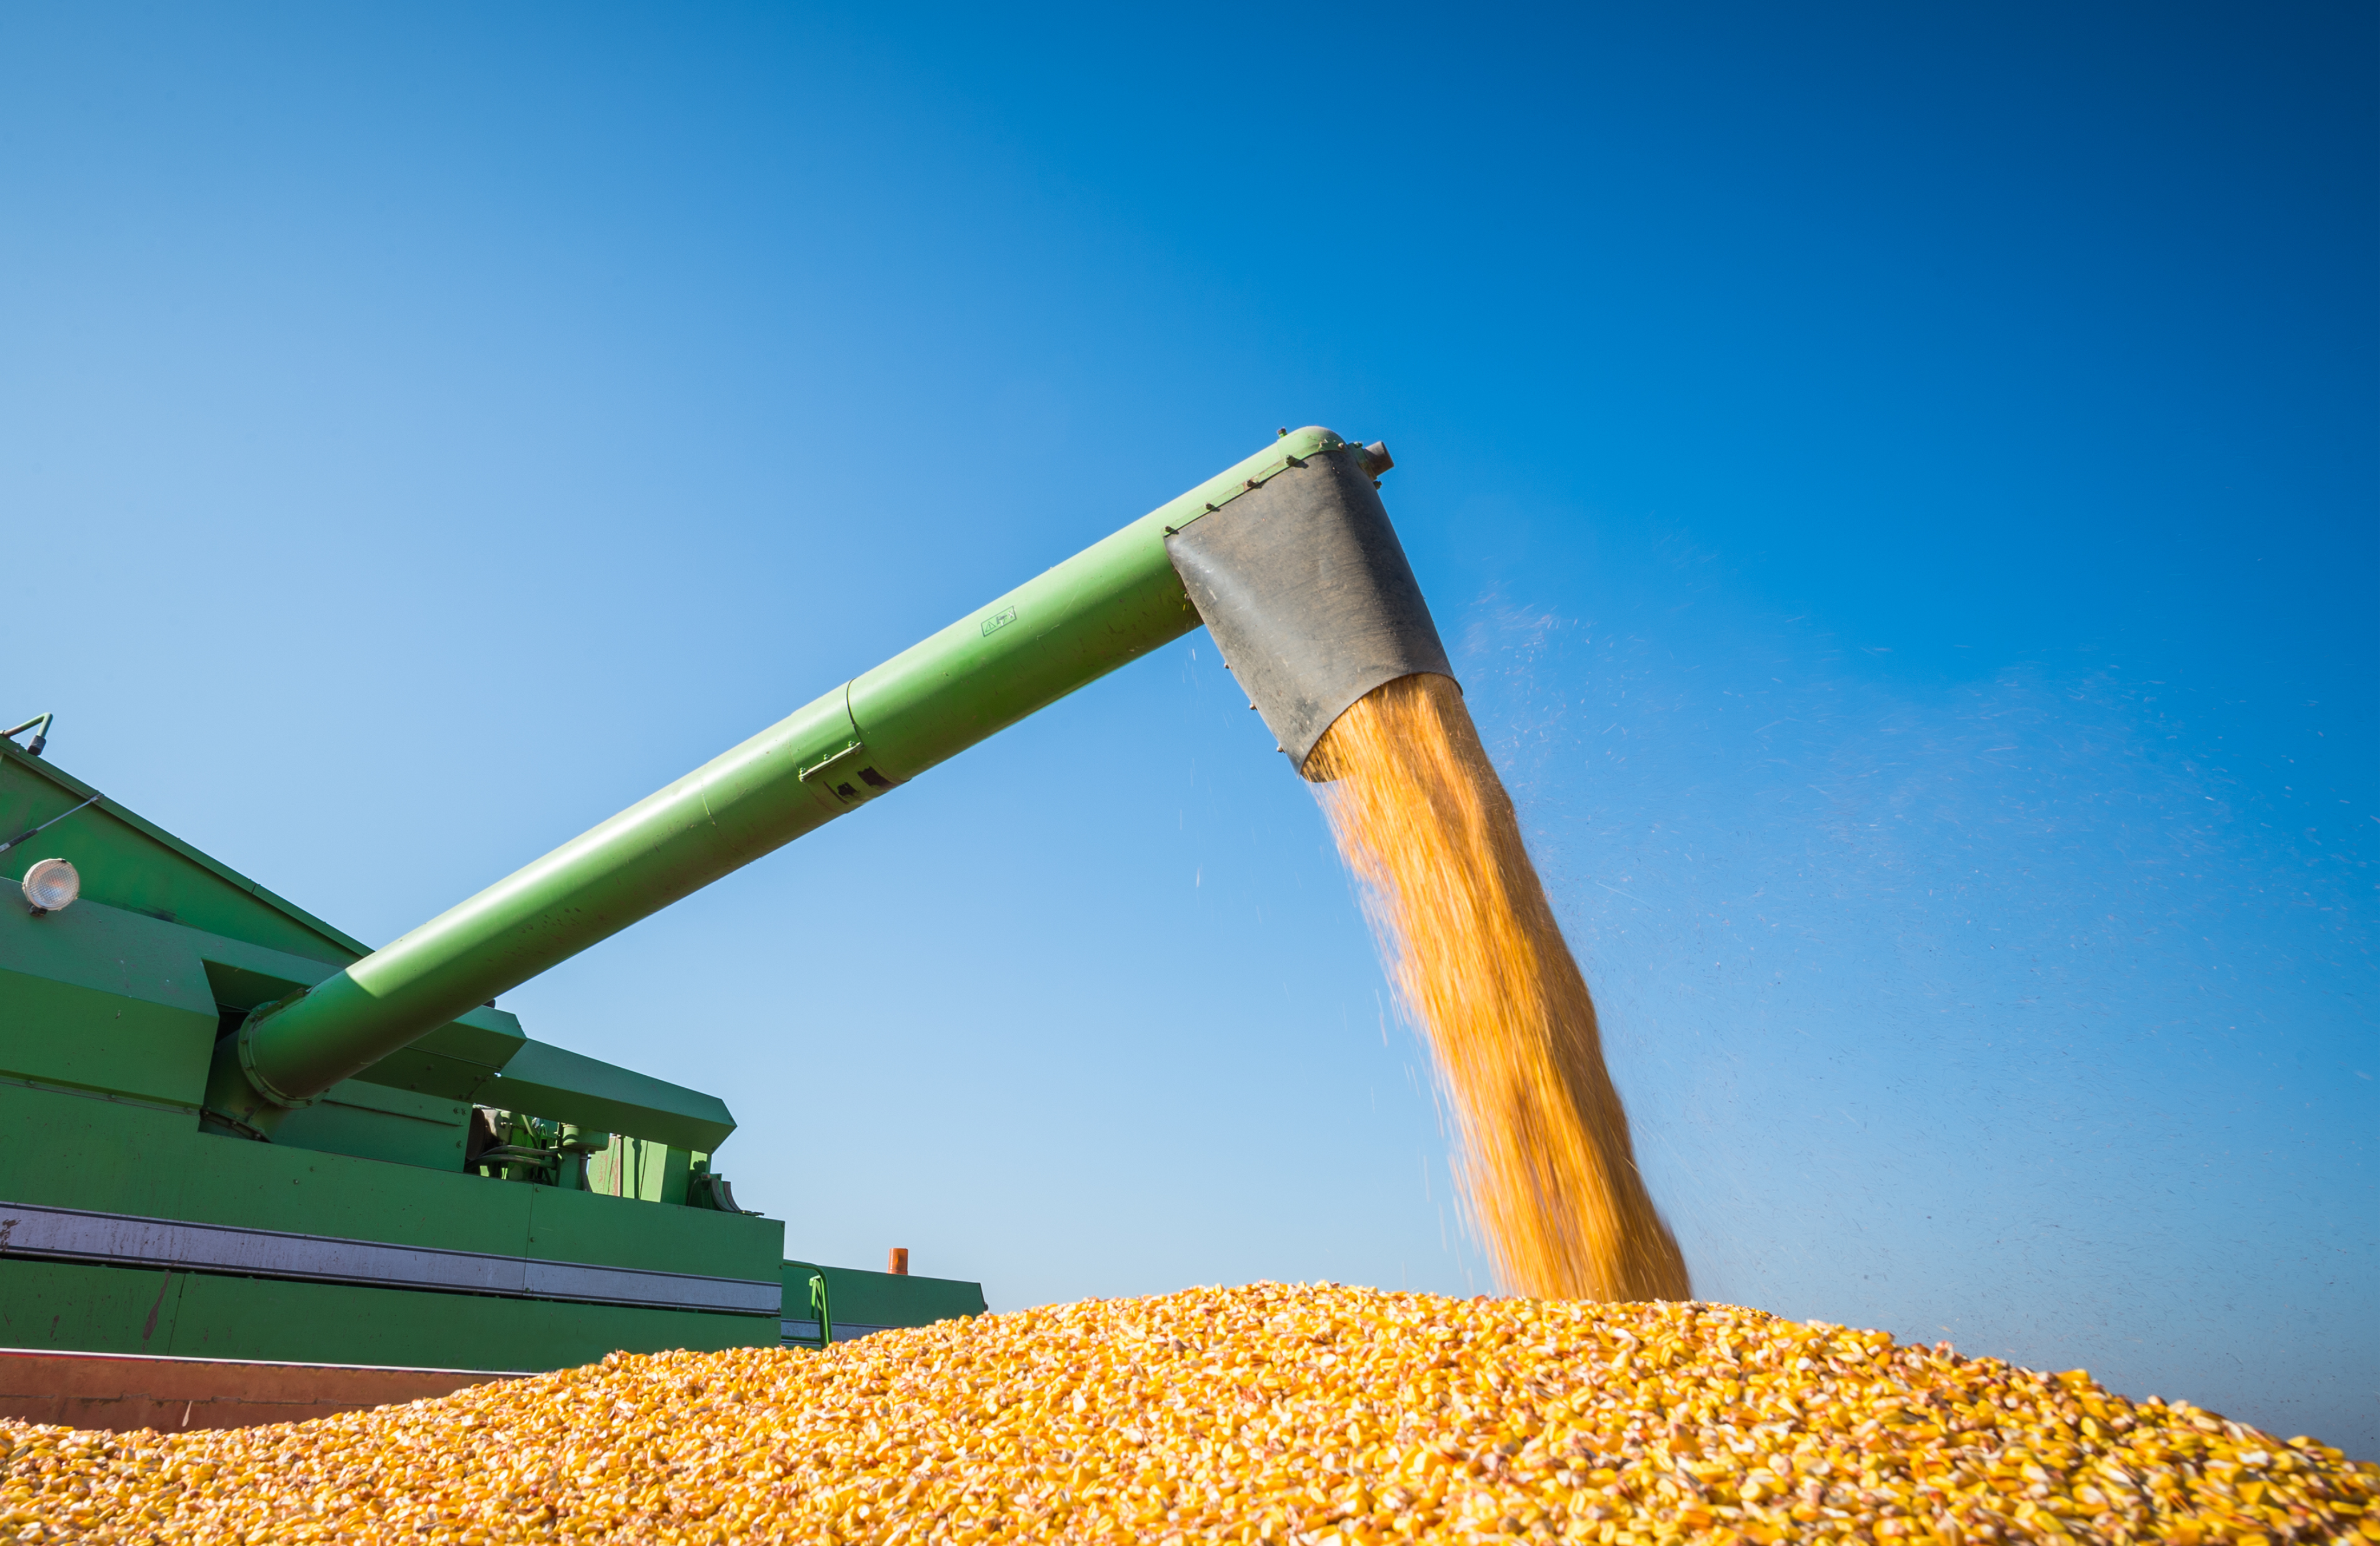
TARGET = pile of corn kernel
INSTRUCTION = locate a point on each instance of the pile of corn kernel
(1305, 1414)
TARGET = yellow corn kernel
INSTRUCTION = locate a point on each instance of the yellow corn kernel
(1268, 1413)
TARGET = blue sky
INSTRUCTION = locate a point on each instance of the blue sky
(1901, 490)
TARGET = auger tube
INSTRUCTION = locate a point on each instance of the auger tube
(1109, 604)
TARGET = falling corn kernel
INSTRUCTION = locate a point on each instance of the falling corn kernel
(1268, 1413)
(1479, 961)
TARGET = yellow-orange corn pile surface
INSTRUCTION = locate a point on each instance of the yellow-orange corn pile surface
(1271, 1412)
(1480, 962)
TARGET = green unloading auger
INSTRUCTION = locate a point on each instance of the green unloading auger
(1288, 558)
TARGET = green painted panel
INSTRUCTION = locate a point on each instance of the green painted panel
(868, 1299)
(99, 1151)
(429, 1073)
(314, 1322)
(397, 1102)
(633, 1167)
(267, 1186)
(243, 976)
(483, 1035)
(623, 1232)
(56, 1033)
(87, 1309)
(129, 1159)
(553, 1082)
(373, 1121)
(92, 945)
(135, 1159)
(68, 1304)
(676, 1165)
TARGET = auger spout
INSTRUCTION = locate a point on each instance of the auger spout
(1308, 592)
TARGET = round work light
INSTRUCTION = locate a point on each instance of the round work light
(52, 883)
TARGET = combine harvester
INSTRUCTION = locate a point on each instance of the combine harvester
(257, 1171)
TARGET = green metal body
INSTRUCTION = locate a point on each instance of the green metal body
(177, 1012)
(110, 1010)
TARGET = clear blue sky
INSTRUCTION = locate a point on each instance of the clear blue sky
(1901, 488)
